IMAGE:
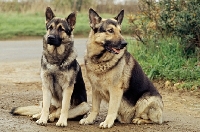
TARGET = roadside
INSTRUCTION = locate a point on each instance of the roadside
(20, 85)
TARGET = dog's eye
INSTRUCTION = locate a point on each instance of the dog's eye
(110, 30)
(50, 27)
(62, 29)
(68, 32)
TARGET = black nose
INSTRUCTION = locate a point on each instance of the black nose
(51, 37)
(123, 44)
(53, 40)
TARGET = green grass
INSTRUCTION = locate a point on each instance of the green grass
(21, 25)
(27, 24)
(165, 61)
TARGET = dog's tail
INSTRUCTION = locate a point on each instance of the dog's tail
(26, 110)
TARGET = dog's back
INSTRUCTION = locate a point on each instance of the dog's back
(139, 84)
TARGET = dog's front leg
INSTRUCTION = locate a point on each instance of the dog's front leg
(67, 92)
(96, 100)
(46, 105)
(114, 104)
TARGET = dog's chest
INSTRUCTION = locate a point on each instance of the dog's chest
(105, 82)
(57, 81)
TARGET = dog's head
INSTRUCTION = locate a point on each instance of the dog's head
(58, 29)
(107, 32)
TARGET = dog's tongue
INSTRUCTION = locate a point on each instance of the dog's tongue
(116, 50)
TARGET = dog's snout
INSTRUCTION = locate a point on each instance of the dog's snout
(53, 40)
(124, 43)
(51, 37)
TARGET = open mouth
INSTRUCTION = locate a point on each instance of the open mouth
(113, 49)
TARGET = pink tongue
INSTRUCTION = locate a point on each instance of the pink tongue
(116, 50)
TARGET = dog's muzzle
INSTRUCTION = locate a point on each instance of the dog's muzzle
(115, 49)
(54, 40)
(123, 44)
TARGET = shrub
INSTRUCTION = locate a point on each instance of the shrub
(163, 31)
(168, 18)
(181, 18)
(144, 24)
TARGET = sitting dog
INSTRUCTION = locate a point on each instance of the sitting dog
(64, 93)
(117, 77)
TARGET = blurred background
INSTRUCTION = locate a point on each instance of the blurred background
(26, 17)
(102, 6)
(164, 35)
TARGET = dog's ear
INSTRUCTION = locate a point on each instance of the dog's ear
(120, 17)
(71, 19)
(49, 14)
(94, 18)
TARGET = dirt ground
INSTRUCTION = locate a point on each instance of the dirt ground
(20, 85)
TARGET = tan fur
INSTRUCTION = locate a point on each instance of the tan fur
(110, 75)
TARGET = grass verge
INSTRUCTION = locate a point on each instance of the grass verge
(165, 61)
(30, 24)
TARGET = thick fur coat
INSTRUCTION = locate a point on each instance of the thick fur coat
(117, 77)
(63, 88)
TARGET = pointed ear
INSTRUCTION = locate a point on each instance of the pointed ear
(94, 18)
(49, 14)
(120, 17)
(71, 19)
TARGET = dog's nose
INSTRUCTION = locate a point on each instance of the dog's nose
(123, 43)
(51, 37)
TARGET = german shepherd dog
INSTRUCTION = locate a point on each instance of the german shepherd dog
(64, 93)
(117, 78)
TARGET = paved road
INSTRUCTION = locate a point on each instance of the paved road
(22, 50)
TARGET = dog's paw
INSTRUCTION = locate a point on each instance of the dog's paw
(136, 121)
(106, 124)
(85, 121)
(36, 117)
(51, 118)
(41, 122)
(139, 121)
(61, 123)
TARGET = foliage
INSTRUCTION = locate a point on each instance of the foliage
(144, 24)
(74, 5)
(167, 34)
(168, 18)
(165, 61)
(181, 18)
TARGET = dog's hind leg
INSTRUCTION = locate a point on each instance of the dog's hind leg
(152, 116)
(141, 121)
(81, 109)
(96, 101)
(55, 114)
(148, 110)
